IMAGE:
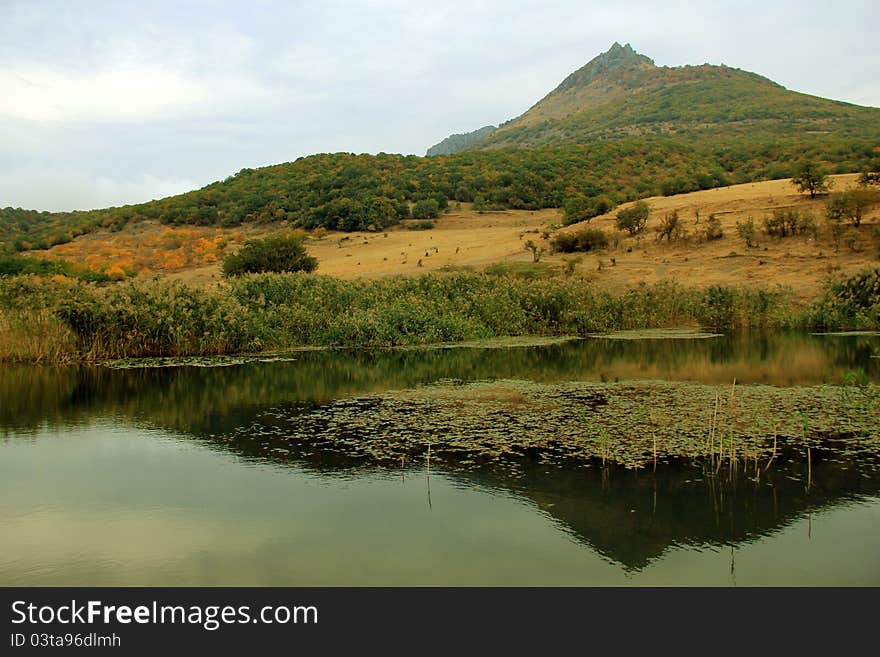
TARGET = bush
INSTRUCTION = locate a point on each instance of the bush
(273, 254)
(713, 228)
(11, 265)
(851, 205)
(868, 177)
(423, 224)
(634, 219)
(581, 208)
(785, 223)
(852, 303)
(748, 232)
(427, 208)
(671, 228)
(588, 239)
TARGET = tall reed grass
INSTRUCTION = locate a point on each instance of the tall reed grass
(74, 320)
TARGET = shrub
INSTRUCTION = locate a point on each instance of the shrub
(581, 208)
(718, 308)
(634, 219)
(427, 208)
(849, 303)
(422, 224)
(671, 228)
(748, 232)
(851, 205)
(272, 254)
(534, 249)
(11, 265)
(713, 228)
(785, 223)
(588, 239)
(601, 205)
(868, 177)
(850, 238)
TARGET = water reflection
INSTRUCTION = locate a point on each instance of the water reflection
(200, 400)
(102, 468)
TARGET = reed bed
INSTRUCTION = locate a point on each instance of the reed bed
(57, 320)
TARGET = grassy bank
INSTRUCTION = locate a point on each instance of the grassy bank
(58, 320)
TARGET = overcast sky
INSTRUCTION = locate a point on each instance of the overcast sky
(111, 102)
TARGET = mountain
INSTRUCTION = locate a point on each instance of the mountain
(455, 143)
(618, 129)
(622, 93)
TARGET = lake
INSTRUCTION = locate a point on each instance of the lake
(285, 473)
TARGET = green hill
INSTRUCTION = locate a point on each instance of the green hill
(618, 129)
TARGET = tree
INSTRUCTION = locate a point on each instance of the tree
(272, 254)
(809, 177)
(536, 251)
(582, 208)
(634, 219)
(851, 205)
(671, 228)
(748, 231)
(576, 208)
(428, 208)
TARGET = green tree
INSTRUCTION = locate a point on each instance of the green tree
(575, 209)
(748, 232)
(272, 254)
(851, 205)
(428, 208)
(634, 219)
(582, 208)
(810, 177)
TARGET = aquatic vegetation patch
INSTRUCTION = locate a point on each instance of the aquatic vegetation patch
(657, 334)
(630, 423)
(196, 361)
(508, 342)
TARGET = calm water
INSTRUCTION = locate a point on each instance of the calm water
(115, 477)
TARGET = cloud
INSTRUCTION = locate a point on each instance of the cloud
(139, 98)
(57, 189)
(121, 94)
(43, 94)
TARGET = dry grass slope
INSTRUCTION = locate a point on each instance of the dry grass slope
(467, 239)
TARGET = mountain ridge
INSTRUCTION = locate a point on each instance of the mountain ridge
(456, 142)
(622, 91)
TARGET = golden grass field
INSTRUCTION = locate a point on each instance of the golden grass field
(464, 238)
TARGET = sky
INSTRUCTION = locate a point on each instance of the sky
(113, 102)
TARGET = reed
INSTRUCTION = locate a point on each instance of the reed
(35, 336)
(272, 312)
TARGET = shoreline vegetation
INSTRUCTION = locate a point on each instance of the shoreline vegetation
(59, 320)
